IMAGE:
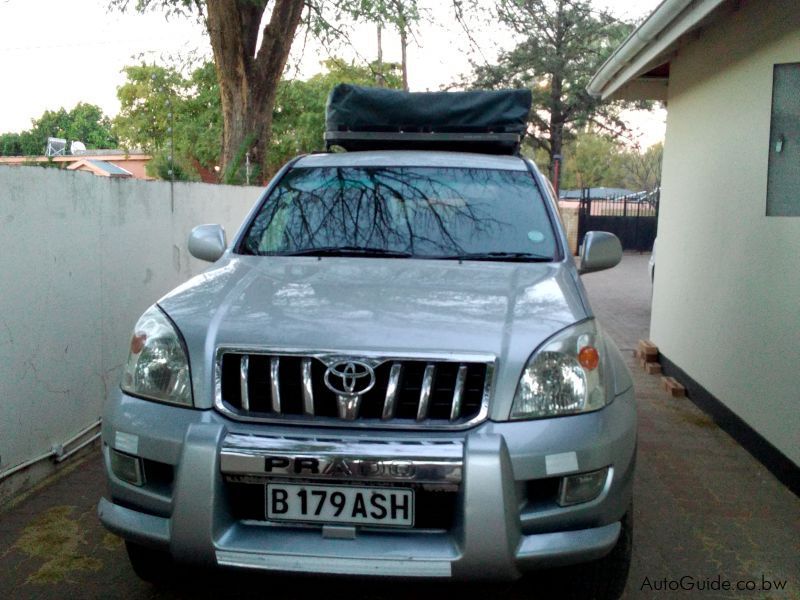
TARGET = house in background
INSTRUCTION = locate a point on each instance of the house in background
(101, 168)
(117, 162)
(594, 192)
(726, 298)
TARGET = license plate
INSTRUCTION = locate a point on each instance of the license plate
(393, 507)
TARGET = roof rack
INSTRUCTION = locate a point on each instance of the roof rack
(487, 143)
(491, 122)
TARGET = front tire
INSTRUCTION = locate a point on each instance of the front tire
(605, 578)
(153, 566)
(601, 579)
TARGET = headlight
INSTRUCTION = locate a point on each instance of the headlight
(564, 376)
(157, 366)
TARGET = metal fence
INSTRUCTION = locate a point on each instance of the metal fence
(633, 218)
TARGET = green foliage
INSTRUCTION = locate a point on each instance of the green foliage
(299, 114)
(159, 107)
(179, 169)
(537, 154)
(151, 93)
(201, 117)
(147, 106)
(85, 123)
(642, 170)
(11, 144)
(324, 19)
(397, 14)
(593, 159)
(184, 8)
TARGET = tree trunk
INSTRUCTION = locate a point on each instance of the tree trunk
(402, 27)
(556, 107)
(403, 58)
(379, 78)
(556, 123)
(248, 75)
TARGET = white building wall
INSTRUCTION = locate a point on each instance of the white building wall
(82, 257)
(726, 302)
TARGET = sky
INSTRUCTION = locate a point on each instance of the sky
(76, 53)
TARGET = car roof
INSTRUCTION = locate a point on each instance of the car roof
(413, 158)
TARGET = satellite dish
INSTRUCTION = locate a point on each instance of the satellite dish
(77, 147)
(56, 147)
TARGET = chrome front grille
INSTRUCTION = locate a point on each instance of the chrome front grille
(410, 392)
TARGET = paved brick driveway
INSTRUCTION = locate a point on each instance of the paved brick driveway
(705, 509)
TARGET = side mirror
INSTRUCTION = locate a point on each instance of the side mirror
(600, 250)
(207, 242)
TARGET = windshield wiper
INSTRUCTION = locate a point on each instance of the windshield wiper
(500, 256)
(347, 251)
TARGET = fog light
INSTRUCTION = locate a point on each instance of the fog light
(127, 467)
(582, 487)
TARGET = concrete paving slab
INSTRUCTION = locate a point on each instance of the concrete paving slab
(705, 511)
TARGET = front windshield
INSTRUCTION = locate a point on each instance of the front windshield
(424, 212)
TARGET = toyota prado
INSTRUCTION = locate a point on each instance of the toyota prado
(392, 370)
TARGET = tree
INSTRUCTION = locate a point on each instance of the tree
(400, 15)
(642, 170)
(177, 118)
(84, 122)
(593, 160)
(562, 44)
(248, 72)
(160, 106)
(11, 144)
(149, 102)
(201, 117)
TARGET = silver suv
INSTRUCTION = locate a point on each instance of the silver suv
(393, 370)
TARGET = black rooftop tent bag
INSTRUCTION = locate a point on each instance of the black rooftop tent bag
(363, 118)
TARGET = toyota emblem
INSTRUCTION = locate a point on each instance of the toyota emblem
(349, 378)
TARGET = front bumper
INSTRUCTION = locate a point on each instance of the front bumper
(498, 531)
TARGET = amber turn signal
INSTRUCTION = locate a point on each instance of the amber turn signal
(137, 342)
(589, 358)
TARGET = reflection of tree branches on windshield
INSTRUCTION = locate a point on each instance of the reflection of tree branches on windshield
(480, 224)
(359, 207)
(403, 201)
(428, 210)
(318, 198)
(381, 223)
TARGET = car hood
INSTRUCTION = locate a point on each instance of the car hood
(352, 305)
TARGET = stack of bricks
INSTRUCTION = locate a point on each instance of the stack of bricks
(675, 389)
(647, 354)
(648, 357)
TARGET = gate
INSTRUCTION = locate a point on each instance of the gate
(633, 218)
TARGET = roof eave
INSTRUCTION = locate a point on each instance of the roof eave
(649, 45)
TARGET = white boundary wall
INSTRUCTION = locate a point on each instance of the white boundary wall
(81, 258)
